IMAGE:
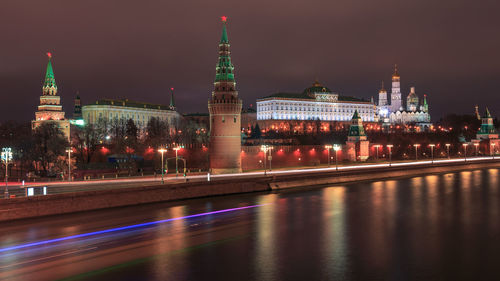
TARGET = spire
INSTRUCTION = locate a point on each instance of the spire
(172, 102)
(224, 69)
(487, 113)
(382, 89)
(223, 39)
(355, 116)
(50, 80)
(396, 74)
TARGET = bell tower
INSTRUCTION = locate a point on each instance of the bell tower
(224, 107)
(396, 90)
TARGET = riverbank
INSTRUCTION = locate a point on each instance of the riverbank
(36, 206)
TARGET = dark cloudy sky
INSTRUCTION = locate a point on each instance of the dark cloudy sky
(448, 49)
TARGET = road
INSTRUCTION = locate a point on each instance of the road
(19, 190)
(435, 227)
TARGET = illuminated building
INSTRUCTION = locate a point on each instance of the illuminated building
(125, 109)
(487, 135)
(224, 107)
(314, 103)
(50, 108)
(394, 112)
(357, 145)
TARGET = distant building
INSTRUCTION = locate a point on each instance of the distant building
(487, 135)
(314, 103)
(139, 112)
(356, 147)
(394, 112)
(50, 108)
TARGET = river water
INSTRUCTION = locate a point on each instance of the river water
(435, 227)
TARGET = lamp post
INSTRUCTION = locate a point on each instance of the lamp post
(476, 146)
(265, 148)
(162, 150)
(465, 151)
(68, 150)
(177, 148)
(493, 150)
(6, 157)
(376, 147)
(432, 152)
(416, 151)
(336, 147)
(328, 147)
(390, 146)
(448, 149)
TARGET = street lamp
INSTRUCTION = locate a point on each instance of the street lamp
(265, 148)
(465, 151)
(6, 157)
(376, 147)
(162, 150)
(432, 152)
(177, 148)
(390, 146)
(448, 149)
(68, 150)
(328, 147)
(416, 151)
(493, 150)
(476, 146)
(336, 147)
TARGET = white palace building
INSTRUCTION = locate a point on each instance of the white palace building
(314, 103)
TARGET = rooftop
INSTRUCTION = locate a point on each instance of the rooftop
(129, 103)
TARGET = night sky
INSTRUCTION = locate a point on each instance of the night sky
(447, 49)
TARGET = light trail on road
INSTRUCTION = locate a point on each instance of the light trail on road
(116, 229)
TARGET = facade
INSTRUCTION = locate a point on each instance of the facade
(314, 103)
(50, 108)
(395, 113)
(224, 108)
(125, 109)
(487, 135)
(357, 145)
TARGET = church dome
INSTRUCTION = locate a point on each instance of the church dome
(317, 88)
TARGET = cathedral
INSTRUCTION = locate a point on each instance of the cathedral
(390, 113)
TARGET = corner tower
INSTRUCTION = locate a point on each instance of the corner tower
(224, 107)
(50, 108)
(396, 90)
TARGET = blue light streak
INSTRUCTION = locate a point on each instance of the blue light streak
(50, 241)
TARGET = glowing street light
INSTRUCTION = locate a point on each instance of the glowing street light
(265, 148)
(465, 151)
(69, 150)
(448, 149)
(432, 152)
(390, 146)
(162, 150)
(328, 147)
(416, 151)
(476, 146)
(376, 149)
(177, 148)
(336, 147)
(6, 157)
(493, 150)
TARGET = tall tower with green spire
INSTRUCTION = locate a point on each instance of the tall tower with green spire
(224, 107)
(50, 108)
(172, 101)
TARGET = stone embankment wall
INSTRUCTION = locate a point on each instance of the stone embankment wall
(28, 207)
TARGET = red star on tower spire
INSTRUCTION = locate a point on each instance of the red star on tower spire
(49, 55)
(223, 18)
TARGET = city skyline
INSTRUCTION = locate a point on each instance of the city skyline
(135, 59)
